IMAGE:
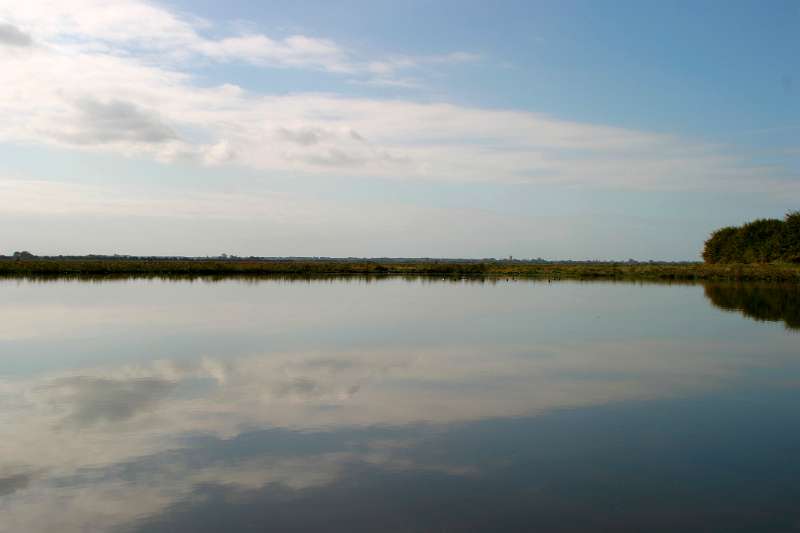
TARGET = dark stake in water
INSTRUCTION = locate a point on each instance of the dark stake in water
(394, 405)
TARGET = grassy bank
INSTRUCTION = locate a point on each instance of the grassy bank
(90, 267)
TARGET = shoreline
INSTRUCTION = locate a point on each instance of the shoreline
(198, 268)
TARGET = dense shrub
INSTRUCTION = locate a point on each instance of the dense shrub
(760, 241)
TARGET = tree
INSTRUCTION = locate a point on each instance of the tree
(720, 246)
(759, 241)
(791, 240)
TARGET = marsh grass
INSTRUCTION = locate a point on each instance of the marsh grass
(319, 269)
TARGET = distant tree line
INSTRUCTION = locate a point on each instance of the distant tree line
(760, 241)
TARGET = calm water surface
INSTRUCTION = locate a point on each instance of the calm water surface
(398, 406)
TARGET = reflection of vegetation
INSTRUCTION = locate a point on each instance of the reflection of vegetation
(772, 302)
(89, 267)
(760, 241)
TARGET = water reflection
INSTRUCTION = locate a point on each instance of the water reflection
(614, 468)
(760, 301)
(151, 406)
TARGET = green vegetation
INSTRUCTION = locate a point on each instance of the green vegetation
(768, 302)
(89, 267)
(760, 241)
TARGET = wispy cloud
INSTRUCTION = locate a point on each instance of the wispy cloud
(295, 51)
(147, 30)
(391, 65)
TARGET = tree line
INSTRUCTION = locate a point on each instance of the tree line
(759, 241)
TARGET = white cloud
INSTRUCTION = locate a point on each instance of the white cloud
(143, 28)
(104, 77)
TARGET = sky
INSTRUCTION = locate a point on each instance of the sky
(562, 130)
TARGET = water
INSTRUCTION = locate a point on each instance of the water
(398, 406)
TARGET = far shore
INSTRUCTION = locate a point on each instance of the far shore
(301, 267)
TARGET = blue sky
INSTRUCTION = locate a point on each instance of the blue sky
(471, 129)
(728, 59)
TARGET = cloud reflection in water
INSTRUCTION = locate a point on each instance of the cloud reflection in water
(161, 443)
